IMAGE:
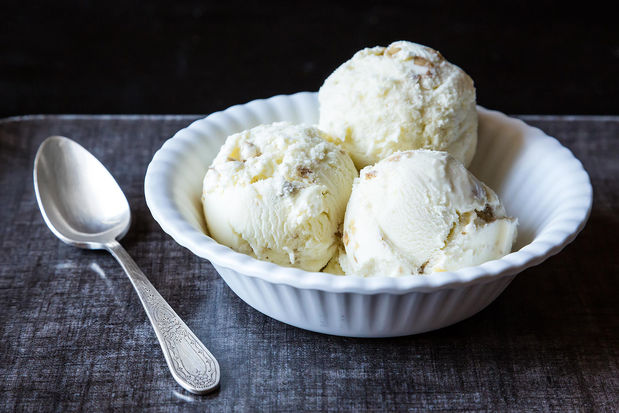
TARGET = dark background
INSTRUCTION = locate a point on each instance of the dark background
(73, 335)
(198, 57)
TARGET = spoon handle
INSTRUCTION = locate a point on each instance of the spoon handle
(190, 362)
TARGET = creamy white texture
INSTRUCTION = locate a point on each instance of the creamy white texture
(333, 266)
(278, 192)
(405, 96)
(421, 211)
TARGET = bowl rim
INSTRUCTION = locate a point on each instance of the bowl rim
(552, 239)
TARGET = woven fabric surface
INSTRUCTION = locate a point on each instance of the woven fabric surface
(73, 335)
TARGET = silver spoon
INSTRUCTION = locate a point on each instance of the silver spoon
(84, 206)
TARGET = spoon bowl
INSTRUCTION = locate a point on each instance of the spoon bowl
(79, 199)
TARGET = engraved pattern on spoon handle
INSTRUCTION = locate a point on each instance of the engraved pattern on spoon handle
(190, 362)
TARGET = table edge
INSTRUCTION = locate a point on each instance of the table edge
(38, 117)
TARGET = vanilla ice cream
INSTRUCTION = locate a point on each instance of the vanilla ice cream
(421, 211)
(333, 266)
(405, 96)
(278, 192)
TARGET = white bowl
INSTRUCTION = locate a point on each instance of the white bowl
(538, 180)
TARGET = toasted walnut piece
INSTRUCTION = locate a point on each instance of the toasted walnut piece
(391, 50)
(303, 170)
(370, 175)
(423, 267)
(378, 51)
(421, 61)
(399, 155)
(487, 215)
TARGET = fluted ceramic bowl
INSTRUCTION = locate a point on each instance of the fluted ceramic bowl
(538, 180)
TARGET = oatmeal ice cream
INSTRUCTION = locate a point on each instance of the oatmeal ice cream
(405, 96)
(421, 211)
(278, 192)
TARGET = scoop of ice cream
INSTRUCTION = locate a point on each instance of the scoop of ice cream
(278, 192)
(421, 211)
(405, 96)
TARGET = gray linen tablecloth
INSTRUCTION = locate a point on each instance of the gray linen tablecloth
(73, 334)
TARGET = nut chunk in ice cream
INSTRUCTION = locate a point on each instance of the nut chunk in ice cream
(421, 211)
(405, 96)
(278, 192)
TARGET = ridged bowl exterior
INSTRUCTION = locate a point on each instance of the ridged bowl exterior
(538, 180)
(363, 315)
